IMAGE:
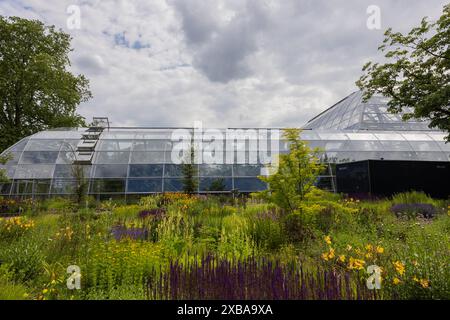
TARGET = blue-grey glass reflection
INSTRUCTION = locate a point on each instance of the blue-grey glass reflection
(215, 170)
(144, 185)
(37, 157)
(215, 184)
(110, 171)
(146, 170)
(108, 186)
(173, 185)
(249, 184)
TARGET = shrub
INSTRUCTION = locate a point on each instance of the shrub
(25, 259)
(412, 197)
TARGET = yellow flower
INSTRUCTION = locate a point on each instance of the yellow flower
(396, 281)
(331, 253)
(368, 255)
(357, 264)
(399, 267)
(327, 239)
(325, 256)
(380, 249)
(424, 283)
(342, 258)
(369, 247)
(415, 279)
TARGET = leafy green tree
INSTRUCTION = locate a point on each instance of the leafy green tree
(296, 174)
(37, 91)
(417, 72)
(189, 170)
(3, 160)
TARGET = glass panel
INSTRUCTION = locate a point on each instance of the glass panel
(361, 136)
(108, 186)
(212, 170)
(34, 172)
(215, 184)
(5, 188)
(249, 184)
(43, 145)
(146, 170)
(396, 146)
(41, 186)
(66, 157)
(152, 145)
(425, 146)
(19, 146)
(173, 185)
(63, 186)
(9, 170)
(65, 171)
(148, 157)
(247, 170)
(31, 157)
(115, 145)
(69, 145)
(173, 170)
(15, 156)
(144, 185)
(22, 187)
(360, 145)
(336, 145)
(58, 134)
(431, 156)
(112, 157)
(110, 171)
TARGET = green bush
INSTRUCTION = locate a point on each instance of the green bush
(25, 259)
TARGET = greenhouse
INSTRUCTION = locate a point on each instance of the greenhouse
(136, 161)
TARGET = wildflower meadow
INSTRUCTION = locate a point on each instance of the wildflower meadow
(178, 246)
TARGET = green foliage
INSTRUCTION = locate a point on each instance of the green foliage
(39, 91)
(295, 176)
(412, 197)
(25, 259)
(192, 227)
(3, 160)
(8, 289)
(417, 74)
(189, 169)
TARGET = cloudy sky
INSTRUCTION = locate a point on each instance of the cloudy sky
(228, 63)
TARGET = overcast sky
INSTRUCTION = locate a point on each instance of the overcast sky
(228, 63)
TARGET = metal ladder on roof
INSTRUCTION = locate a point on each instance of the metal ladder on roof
(89, 139)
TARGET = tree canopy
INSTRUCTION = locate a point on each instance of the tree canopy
(417, 72)
(37, 91)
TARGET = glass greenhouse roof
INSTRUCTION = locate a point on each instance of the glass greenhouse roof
(351, 113)
(138, 160)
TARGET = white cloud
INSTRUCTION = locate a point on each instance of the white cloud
(225, 62)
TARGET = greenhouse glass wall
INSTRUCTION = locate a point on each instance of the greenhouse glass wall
(138, 161)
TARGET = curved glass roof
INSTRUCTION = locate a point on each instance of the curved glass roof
(352, 113)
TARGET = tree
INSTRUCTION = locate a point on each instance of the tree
(296, 174)
(81, 183)
(189, 171)
(36, 89)
(417, 73)
(3, 160)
